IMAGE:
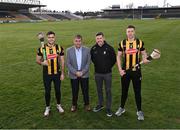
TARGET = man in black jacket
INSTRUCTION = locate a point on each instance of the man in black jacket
(103, 56)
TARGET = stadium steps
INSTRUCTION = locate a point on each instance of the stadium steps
(51, 15)
(57, 16)
(45, 17)
(73, 16)
(19, 17)
(31, 16)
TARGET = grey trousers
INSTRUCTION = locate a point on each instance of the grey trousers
(107, 80)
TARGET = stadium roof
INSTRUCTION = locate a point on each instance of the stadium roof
(19, 4)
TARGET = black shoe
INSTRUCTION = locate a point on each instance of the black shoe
(109, 113)
(98, 108)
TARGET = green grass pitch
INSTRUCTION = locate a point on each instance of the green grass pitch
(21, 87)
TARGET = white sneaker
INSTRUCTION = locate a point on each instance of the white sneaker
(59, 108)
(47, 111)
(140, 115)
(120, 111)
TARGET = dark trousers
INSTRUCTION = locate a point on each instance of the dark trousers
(107, 79)
(84, 82)
(48, 79)
(136, 77)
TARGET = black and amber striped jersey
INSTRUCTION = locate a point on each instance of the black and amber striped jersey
(52, 54)
(131, 53)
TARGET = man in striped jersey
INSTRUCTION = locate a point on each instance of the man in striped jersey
(129, 52)
(51, 70)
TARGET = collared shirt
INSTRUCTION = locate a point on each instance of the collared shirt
(78, 52)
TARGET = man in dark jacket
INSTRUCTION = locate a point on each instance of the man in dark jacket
(103, 56)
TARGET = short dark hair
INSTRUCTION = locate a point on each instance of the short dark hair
(131, 26)
(78, 36)
(50, 32)
(100, 33)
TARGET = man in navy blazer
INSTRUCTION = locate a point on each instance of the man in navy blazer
(78, 62)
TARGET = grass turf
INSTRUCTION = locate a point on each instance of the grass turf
(21, 87)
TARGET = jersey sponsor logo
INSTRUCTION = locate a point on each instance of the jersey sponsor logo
(131, 51)
(52, 56)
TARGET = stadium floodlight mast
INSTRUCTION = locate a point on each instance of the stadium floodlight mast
(41, 36)
(156, 54)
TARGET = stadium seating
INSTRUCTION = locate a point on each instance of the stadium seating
(20, 13)
(171, 12)
(31, 16)
(5, 15)
(14, 11)
(58, 16)
(45, 17)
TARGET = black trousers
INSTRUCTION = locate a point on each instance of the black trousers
(48, 79)
(84, 82)
(136, 77)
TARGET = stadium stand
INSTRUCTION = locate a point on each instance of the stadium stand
(140, 13)
(19, 10)
(72, 16)
(45, 17)
(31, 16)
(56, 16)
(5, 15)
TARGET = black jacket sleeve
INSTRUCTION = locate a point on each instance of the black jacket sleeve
(113, 55)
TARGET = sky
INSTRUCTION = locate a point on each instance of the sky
(97, 5)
